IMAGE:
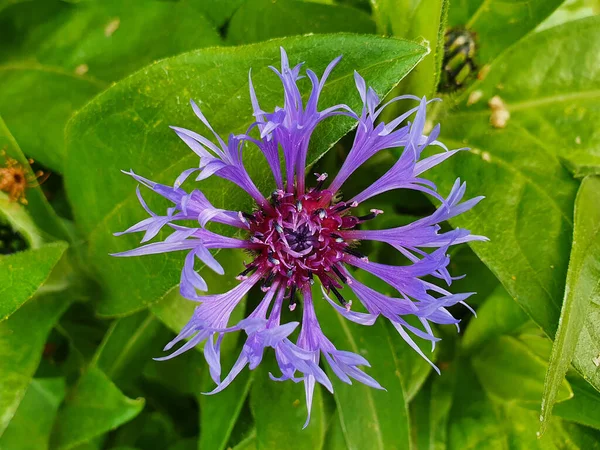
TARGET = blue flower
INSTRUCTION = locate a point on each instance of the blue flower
(299, 234)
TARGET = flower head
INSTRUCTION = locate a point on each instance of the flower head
(305, 232)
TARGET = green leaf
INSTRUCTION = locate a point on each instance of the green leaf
(127, 127)
(94, 407)
(220, 412)
(129, 343)
(53, 95)
(22, 339)
(31, 425)
(279, 411)
(478, 421)
(559, 107)
(416, 19)
(75, 46)
(570, 10)
(259, 20)
(508, 370)
(498, 24)
(38, 207)
(499, 315)
(583, 407)
(22, 274)
(583, 287)
(370, 418)
(249, 443)
(430, 410)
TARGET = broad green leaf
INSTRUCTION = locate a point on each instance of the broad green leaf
(498, 24)
(44, 97)
(40, 210)
(279, 411)
(559, 107)
(416, 19)
(259, 20)
(31, 425)
(129, 343)
(93, 407)
(76, 46)
(127, 127)
(583, 287)
(22, 274)
(220, 412)
(508, 370)
(22, 339)
(370, 418)
(514, 172)
(499, 315)
(218, 11)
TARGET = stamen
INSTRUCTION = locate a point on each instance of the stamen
(278, 228)
(353, 252)
(344, 206)
(268, 281)
(292, 297)
(374, 213)
(248, 216)
(321, 213)
(339, 296)
(320, 180)
(339, 273)
(311, 279)
(299, 206)
(272, 260)
(243, 275)
(337, 238)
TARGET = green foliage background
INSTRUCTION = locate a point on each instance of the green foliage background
(85, 91)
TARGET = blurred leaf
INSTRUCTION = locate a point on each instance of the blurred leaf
(498, 24)
(583, 287)
(181, 374)
(94, 407)
(259, 20)
(22, 273)
(430, 411)
(219, 413)
(583, 407)
(509, 371)
(556, 108)
(22, 339)
(477, 421)
(279, 411)
(122, 129)
(334, 439)
(129, 343)
(248, 444)
(38, 207)
(55, 53)
(571, 10)
(498, 315)
(218, 11)
(370, 418)
(30, 427)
